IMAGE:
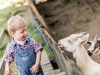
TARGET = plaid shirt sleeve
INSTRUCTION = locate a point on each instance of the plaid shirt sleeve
(9, 57)
(35, 46)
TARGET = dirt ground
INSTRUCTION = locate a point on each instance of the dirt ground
(65, 19)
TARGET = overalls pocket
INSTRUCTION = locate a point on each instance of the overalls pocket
(25, 57)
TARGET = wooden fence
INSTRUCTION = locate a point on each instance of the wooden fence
(2, 63)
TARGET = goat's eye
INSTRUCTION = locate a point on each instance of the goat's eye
(89, 42)
(69, 41)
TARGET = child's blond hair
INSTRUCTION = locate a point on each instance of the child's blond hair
(15, 23)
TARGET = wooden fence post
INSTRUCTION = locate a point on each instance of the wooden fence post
(2, 63)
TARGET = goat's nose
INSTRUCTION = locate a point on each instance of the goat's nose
(89, 53)
(60, 45)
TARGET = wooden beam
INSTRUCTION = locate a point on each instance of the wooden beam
(2, 36)
(2, 63)
(40, 18)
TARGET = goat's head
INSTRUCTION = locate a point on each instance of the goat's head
(94, 48)
(73, 41)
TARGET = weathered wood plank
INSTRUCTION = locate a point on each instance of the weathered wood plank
(46, 59)
(2, 63)
(44, 56)
(2, 35)
(46, 65)
(49, 72)
(48, 69)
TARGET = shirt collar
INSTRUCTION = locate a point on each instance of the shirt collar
(15, 43)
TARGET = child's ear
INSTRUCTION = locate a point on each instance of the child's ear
(12, 33)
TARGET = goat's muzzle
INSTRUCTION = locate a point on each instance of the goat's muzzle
(61, 46)
(89, 53)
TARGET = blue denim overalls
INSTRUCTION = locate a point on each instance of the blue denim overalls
(25, 58)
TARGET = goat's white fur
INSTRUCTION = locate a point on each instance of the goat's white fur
(74, 44)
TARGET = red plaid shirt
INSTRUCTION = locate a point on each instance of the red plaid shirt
(29, 42)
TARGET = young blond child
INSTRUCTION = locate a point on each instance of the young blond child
(23, 49)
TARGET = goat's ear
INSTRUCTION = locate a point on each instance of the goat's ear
(82, 33)
(84, 39)
(95, 39)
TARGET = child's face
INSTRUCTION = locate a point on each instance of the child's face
(20, 34)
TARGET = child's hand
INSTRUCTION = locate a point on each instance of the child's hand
(8, 71)
(34, 69)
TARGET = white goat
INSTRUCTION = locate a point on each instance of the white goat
(94, 48)
(74, 43)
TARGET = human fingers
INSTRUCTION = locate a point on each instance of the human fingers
(36, 71)
(32, 70)
(8, 73)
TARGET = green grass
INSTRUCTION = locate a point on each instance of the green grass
(6, 13)
(98, 1)
(77, 28)
(87, 20)
(33, 33)
(3, 46)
